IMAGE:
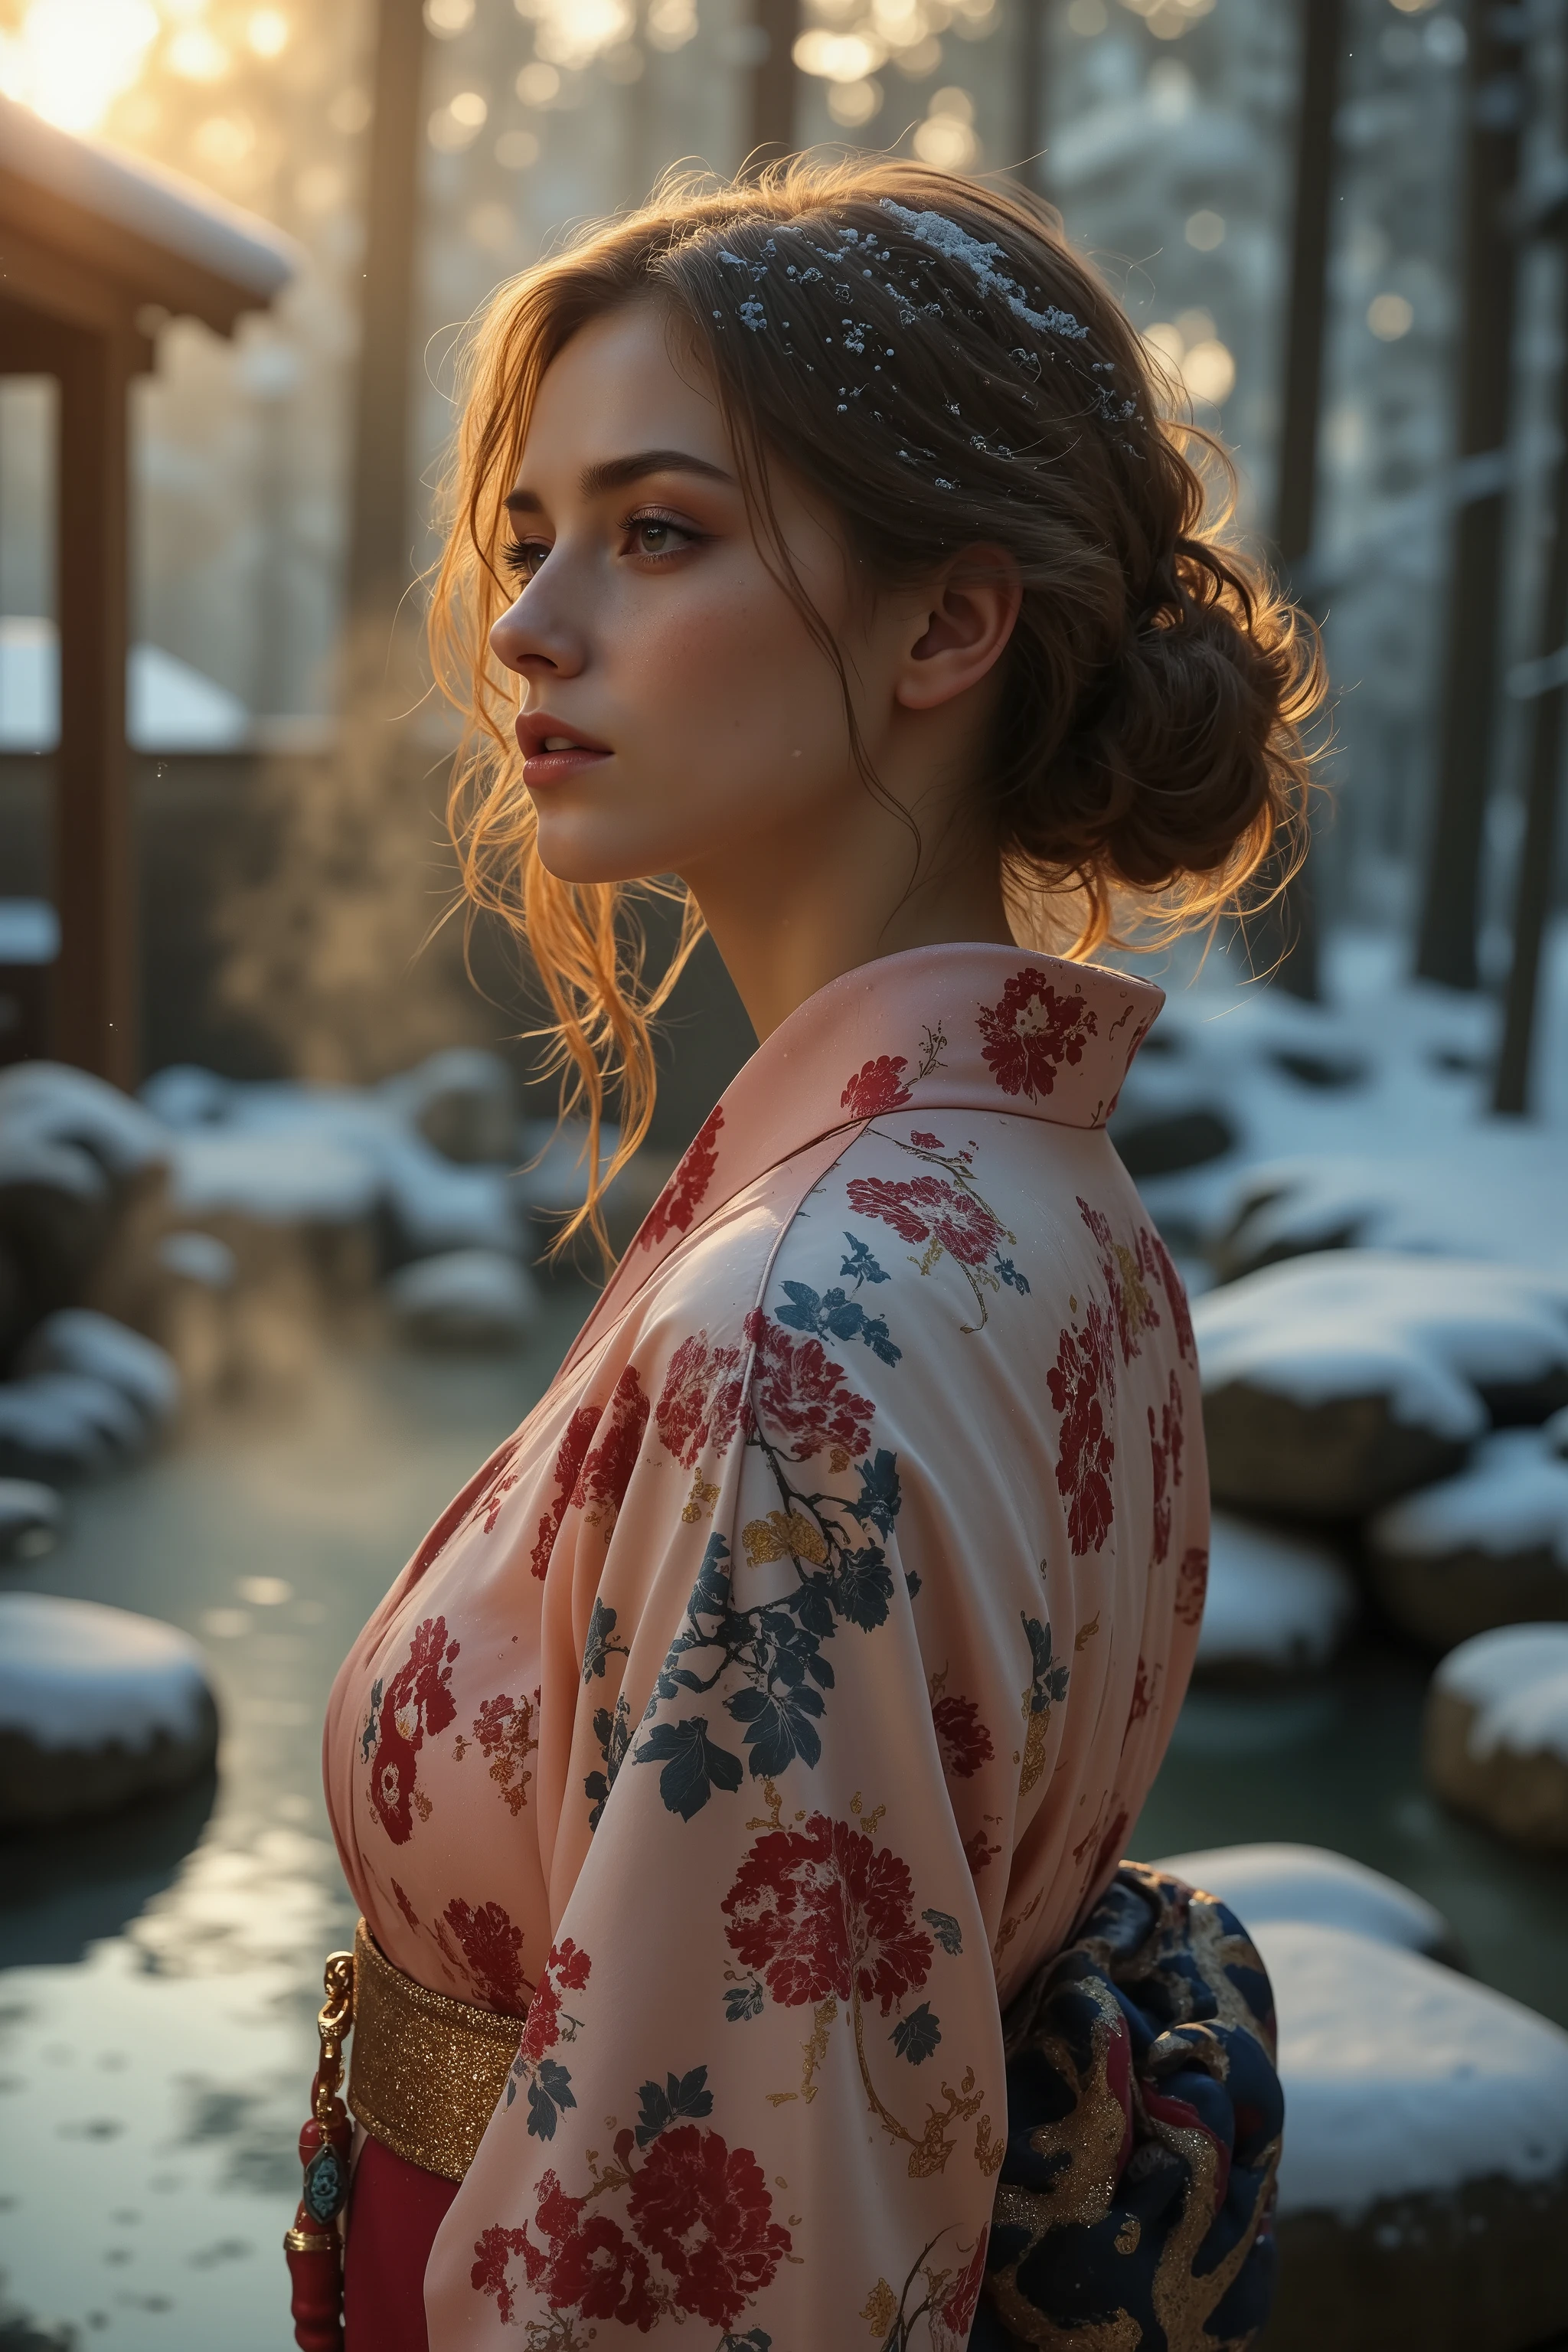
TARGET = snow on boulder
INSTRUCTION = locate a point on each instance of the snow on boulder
(31, 1516)
(278, 1179)
(1423, 2187)
(1266, 1882)
(1494, 1190)
(1488, 1546)
(464, 1299)
(97, 1707)
(78, 1339)
(1497, 1733)
(67, 1425)
(463, 1101)
(1335, 1383)
(1277, 1604)
(78, 1117)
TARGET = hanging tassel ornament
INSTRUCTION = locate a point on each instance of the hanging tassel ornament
(314, 2245)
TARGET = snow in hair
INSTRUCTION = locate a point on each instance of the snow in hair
(955, 243)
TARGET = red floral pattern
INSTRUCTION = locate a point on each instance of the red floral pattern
(569, 1462)
(1176, 1297)
(1029, 1032)
(700, 1403)
(957, 2313)
(821, 1911)
(877, 1085)
(607, 1466)
(802, 1397)
(703, 2209)
(964, 1742)
(1125, 1270)
(927, 1209)
(566, 1969)
(503, 1729)
(1192, 1586)
(1081, 1383)
(492, 1949)
(1165, 1445)
(586, 2265)
(979, 1852)
(416, 1704)
(682, 1198)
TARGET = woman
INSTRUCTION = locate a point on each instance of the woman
(770, 1708)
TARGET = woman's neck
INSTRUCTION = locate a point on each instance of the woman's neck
(789, 920)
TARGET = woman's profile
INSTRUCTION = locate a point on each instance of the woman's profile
(768, 1714)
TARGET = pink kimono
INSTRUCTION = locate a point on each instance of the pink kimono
(779, 1697)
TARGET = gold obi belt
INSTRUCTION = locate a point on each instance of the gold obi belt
(425, 2071)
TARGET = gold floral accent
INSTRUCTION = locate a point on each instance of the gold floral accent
(784, 1535)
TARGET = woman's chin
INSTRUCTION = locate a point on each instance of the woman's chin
(584, 853)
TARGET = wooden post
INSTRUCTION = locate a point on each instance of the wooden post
(772, 129)
(95, 995)
(1284, 938)
(1445, 949)
(378, 559)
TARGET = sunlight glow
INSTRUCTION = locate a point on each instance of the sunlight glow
(72, 58)
(268, 32)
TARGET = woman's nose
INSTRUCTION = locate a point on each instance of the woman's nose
(533, 637)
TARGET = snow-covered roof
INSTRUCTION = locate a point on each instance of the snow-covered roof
(125, 193)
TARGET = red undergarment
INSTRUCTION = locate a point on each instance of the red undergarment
(395, 2211)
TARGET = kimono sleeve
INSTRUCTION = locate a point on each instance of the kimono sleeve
(759, 2097)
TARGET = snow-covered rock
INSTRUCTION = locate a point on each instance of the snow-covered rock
(1334, 1383)
(1277, 1604)
(58, 1425)
(77, 1340)
(1493, 1192)
(1488, 1546)
(1496, 1732)
(31, 1516)
(97, 1707)
(275, 1179)
(199, 1258)
(1263, 1884)
(462, 1101)
(464, 1299)
(292, 1155)
(1424, 2187)
(89, 1127)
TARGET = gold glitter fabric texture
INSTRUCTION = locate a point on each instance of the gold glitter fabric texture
(1133, 2211)
(425, 2071)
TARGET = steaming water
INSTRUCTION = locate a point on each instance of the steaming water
(161, 1970)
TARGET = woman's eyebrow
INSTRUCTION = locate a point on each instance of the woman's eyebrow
(615, 473)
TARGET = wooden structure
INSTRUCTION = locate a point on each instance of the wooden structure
(95, 251)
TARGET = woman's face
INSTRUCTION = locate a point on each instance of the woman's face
(674, 712)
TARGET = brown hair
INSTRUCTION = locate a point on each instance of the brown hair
(930, 356)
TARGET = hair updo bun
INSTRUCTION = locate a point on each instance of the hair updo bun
(930, 355)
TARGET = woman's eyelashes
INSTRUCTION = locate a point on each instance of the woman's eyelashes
(522, 557)
(650, 538)
(657, 537)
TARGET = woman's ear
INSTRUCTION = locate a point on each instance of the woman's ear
(965, 624)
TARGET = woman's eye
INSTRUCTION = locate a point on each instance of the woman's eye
(524, 556)
(658, 535)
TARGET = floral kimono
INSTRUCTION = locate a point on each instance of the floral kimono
(767, 1709)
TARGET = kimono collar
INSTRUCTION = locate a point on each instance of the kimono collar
(942, 1028)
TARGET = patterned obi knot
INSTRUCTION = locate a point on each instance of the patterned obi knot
(1135, 2207)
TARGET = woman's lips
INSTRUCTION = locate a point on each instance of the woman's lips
(552, 753)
